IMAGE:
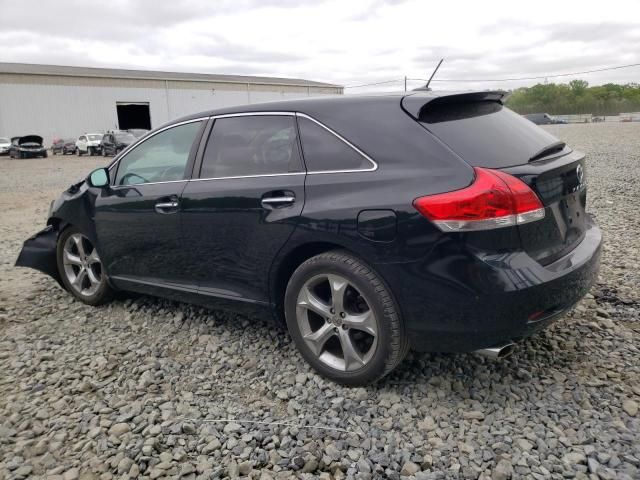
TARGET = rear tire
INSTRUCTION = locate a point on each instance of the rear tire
(80, 268)
(344, 320)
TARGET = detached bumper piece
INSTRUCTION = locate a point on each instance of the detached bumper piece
(39, 253)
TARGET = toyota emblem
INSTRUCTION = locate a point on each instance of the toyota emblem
(580, 173)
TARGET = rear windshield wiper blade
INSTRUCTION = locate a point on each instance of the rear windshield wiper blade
(555, 147)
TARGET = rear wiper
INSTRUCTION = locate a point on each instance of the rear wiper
(555, 147)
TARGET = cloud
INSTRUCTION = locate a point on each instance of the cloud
(356, 42)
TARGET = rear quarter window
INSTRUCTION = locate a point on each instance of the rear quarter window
(485, 133)
(323, 151)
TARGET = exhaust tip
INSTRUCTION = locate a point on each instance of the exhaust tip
(506, 350)
(498, 352)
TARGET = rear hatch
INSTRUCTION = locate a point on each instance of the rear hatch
(487, 134)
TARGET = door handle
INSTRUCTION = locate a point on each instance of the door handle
(167, 207)
(277, 202)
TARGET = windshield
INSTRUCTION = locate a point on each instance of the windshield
(125, 138)
(94, 137)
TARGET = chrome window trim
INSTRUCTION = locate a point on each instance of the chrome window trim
(288, 174)
(125, 152)
(132, 185)
(253, 114)
(374, 164)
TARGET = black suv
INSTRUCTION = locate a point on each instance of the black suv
(372, 224)
(114, 142)
(63, 146)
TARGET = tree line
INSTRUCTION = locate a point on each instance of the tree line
(576, 97)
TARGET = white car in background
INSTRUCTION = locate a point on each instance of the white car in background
(89, 143)
(5, 144)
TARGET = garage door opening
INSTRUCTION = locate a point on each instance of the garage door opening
(133, 115)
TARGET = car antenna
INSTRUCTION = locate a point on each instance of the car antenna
(426, 87)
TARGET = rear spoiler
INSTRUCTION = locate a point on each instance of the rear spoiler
(415, 103)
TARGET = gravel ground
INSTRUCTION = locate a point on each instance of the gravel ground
(145, 388)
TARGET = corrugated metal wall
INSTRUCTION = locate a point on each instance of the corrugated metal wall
(53, 106)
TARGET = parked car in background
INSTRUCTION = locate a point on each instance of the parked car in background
(89, 143)
(442, 223)
(63, 146)
(114, 142)
(543, 119)
(28, 146)
(138, 132)
(5, 145)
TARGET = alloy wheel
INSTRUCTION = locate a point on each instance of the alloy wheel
(336, 322)
(82, 265)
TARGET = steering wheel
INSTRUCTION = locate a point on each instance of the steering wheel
(125, 179)
(167, 172)
(275, 150)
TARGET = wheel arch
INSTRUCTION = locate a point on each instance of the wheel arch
(58, 224)
(288, 264)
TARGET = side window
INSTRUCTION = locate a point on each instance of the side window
(323, 151)
(258, 145)
(162, 158)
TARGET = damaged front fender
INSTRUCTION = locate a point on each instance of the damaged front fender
(39, 252)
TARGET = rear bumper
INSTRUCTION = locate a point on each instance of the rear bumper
(39, 252)
(459, 300)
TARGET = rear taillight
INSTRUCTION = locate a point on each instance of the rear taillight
(495, 199)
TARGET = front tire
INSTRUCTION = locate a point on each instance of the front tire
(344, 320)
(81, 269)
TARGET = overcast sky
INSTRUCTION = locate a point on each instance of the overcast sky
(345, 42)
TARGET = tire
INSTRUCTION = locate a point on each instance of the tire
(79, 151)
(90, 287)
(366, 320)
(45, 155)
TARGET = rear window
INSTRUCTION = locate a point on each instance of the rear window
(485, 134)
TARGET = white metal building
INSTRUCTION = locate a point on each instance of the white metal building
(57, 101)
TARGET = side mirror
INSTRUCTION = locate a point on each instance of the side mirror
(99, 178)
